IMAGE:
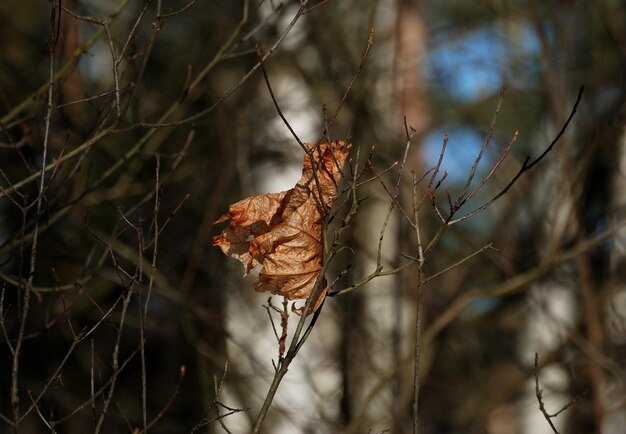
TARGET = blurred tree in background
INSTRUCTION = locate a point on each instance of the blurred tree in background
(150, 117)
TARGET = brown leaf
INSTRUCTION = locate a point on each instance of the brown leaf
(283, 231)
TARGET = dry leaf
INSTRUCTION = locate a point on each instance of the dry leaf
(283, 231)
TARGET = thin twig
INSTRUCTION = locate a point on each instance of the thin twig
(169, 402)
(493, 169)
(41, 416)
(157, 25)
(418, 312)
(538, 394)
(116, 81)
(394, 197)
(133, 30)
(88, 98)
(457, 263)
(115, 362)
(315, 6)
(463, 197)
(180, 10)
(277, 106)
(526, 166)
(15, 399)
(143, 315)
(377, 176)
(368, 47)
(429, 193)
(114, 375)
(55, 375)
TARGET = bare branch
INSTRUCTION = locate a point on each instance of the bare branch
(538, 394)
(526, 166)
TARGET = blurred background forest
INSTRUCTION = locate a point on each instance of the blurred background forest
(152, 116)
